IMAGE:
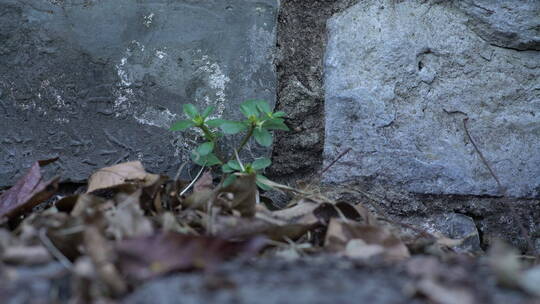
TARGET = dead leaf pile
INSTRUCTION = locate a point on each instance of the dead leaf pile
(131, 226)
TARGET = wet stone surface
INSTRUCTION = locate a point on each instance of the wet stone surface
(98, 83)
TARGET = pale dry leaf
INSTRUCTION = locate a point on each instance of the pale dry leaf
(440, 294)
(169, 223)
(204, 183)
(244, 191)
(87, 203)
(27, 255)
(120, 174)
(198, 199)
(504, 260)
(302, 213)
(340, 232)
(358, 249)
(127, 219)
(530, 281)
(102, 256)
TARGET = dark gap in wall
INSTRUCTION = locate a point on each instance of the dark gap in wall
(301, 44)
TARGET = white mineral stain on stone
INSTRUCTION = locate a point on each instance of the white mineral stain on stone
(45, 83)
(160, 54)
(148, 20)
(62, 120)
(60, 103)
(122, 73)
(162, 118)
(217, 80)
(124, 94)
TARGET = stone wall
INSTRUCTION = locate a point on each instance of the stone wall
(100, 82)
(433, 95)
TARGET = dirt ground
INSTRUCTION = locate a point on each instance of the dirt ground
(323, 279)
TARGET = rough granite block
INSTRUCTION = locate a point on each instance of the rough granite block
(401, 77)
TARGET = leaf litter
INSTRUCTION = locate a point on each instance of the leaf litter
(131, 226)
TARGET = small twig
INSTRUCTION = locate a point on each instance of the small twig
(53, 250)
(335, 160)
(327, 167)
(486, 163)
(523, 230)
(192, 182)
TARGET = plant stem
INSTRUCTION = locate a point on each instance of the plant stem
(246, 138)
(244, 141)
(207, 133)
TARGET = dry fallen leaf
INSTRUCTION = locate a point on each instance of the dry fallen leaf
(127, 219)
(146, 257)
(504, 260)
(530, 281)
(29, 191)
(373, 240)
(244, 194)
(102, 256)
(27, 255)
(120, 174)
(510, 270)
(204, 183)
(438, 282)
(441, 294)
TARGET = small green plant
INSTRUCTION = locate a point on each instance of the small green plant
(259, 121)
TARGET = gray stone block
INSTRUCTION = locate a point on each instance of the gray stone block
(504, 23)
(451, 225)
(402, 76)
(100, 82)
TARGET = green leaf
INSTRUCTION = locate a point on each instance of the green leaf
(275, 124)
(205, 148)
(261, 163)
(279, 114)
(212, 160)
(198, 159)
(227, 169)
(262, 182)
(205, 160)
(263, 137)
(208, 111)
(232, 127)
(249, 108)
(263, 106)
(215, 122)
(182, 125)
(229, 180)
(234, 165)
(191, 110)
